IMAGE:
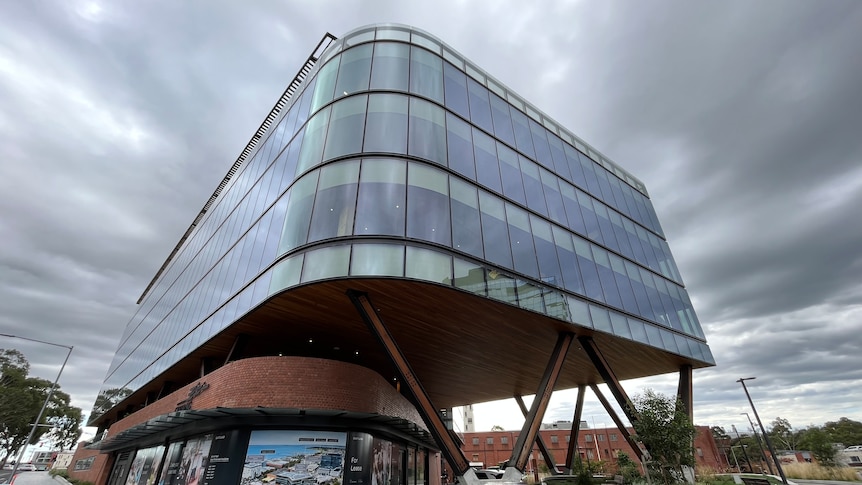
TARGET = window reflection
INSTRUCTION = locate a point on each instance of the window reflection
(426, 74)
(390, 67)
(335, 201)
(346, 127)
(355, 70)
(427, 131)
(380, 206)
(428, 204)
(386, 130)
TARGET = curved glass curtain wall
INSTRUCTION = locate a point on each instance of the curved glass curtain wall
(516, 178)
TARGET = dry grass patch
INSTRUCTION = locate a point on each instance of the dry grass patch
(812, 471)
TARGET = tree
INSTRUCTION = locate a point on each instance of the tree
(817, 441)
(627, 468)
(664, 428)
(107, 399)
(782, 433)
(844, 431)
(21, 399)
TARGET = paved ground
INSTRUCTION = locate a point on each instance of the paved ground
(33, 478)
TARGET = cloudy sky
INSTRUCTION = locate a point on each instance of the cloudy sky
(744, 119)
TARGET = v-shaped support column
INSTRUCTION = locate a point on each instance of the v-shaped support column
(684, 393)
(448, 446)
(524, 443)
(546, 453)
(617, 391)
(573, 453)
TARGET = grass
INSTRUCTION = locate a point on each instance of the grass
(812, 471)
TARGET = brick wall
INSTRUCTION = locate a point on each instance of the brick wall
(286, 382)
(609, 441)
(98, 472)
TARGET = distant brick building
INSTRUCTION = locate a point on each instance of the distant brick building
(494, 447)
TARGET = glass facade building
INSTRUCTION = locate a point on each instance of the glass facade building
(398, 158)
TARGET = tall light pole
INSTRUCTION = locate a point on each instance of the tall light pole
(762, 429)
(47, 398)
(759, 444)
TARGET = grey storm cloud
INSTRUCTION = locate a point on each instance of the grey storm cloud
(118, 120)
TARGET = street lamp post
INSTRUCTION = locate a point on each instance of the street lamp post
(762, 429)
(759, 443)
(47, 398)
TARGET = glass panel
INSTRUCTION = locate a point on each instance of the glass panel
(638, 331)
(546, 252)
(533, 186)
(606, 277)
(312, 144)
(286, 273)
(589, 273)
(431, 44)
(523, 138)
(580, 311)
(530, 296)
(346, 127)
(644, 306)
(455, 87)
(623, 284)
(426, 74)
(605, 226)
(377, 260)
(573, 209)
(380, 206)
(510, 171)
(568, 261)
(355, 70)
(325, 85)
(496, 88)
(359, 37)
(540, 142)
(654, 297)
(502, 120)
(590, 219)
(391, 66)
(299, 208)
(620, 325)
(386, 128)
(495, 236)
(589, 173)
(487, 166)
(429, 265)
(335, 201)
(601, 319)
(501, 287)
(469, 276)
(523, 251)
(428, 204)
(324, 263)
(460, 146)
(480, 109)
(466, 225)
(392, 33)
(556, 208)
(427, 132)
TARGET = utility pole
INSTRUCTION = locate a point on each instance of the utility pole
(762, 429)
(759, 444)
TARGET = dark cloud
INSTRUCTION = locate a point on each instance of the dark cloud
(742, 118)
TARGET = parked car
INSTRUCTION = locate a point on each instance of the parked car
(486, 474)
(26, 467)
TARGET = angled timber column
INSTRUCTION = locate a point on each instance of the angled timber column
(609, 377)
(573, 452)
(549, 459)
(684, 392)
(524, 443)
(448, 445)
(620, 425)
